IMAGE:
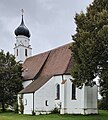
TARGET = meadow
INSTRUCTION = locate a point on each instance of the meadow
(103, 115)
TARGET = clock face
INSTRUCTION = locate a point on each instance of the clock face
(20, 43)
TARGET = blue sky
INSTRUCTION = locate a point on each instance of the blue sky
(51, 22)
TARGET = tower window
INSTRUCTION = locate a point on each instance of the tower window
(17, 52)
(57, 92)
(25, 52)
(73, 92)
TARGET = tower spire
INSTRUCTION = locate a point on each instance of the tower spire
(22, 49)
(22, 29)
(22, 11)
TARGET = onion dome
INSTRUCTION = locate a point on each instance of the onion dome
(22, 29)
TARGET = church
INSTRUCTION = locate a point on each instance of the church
(47, 80)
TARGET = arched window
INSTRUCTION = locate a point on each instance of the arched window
(46, 102)
(25, 52)
(57, 92)
(17, 52)
(73, 92)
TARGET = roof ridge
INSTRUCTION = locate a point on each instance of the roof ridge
(49, 50)
(36, 55)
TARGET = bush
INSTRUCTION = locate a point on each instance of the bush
(16, 107)
(55, 110)
(33, 113)
(103, 104)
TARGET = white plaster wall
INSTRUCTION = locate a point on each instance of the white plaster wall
(71, 106)
(28, 103)
(90, 99)
(85, 103)
(22, 43)
(46, 92)
(26, 83)
(86, 99)
(21, 53)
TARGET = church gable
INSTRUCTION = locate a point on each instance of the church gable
(53, 62)
(43, 66)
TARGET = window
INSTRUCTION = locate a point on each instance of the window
(46, 102)
(73, 92)
(25, 52)
(25, 101)
(17, 52)
(57, 92)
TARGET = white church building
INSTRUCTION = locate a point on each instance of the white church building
(47, 81)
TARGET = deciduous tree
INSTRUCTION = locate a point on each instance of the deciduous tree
(90, 47)
(10, 79)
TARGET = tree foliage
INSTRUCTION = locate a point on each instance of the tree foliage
(21, 106)
(90, 47)
(10, 79)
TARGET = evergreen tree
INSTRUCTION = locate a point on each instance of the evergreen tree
(90, 47)
(10, 79)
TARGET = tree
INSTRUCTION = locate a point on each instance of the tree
(90, 46)
(21, 104)
(10, 79)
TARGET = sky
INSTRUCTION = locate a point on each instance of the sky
(51, 22)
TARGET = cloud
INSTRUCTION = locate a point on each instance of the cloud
(51, 22)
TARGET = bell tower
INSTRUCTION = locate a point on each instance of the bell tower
(22, 49)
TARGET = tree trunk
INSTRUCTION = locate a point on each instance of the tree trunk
(3, 106)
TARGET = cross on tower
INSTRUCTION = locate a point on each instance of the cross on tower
(22, 10)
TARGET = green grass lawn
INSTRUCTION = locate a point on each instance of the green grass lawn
(103, 115)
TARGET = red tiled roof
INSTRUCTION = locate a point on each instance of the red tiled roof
(36, 84)
(57, 62)
(45, 65)
(32, 65)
